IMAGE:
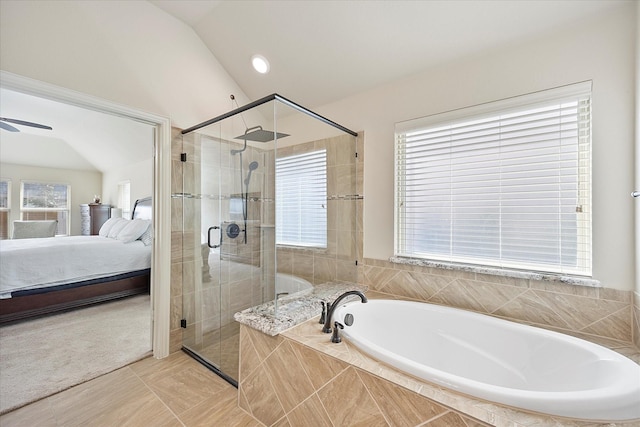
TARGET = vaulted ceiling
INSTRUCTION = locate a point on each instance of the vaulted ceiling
(323, 51)
(320, 52)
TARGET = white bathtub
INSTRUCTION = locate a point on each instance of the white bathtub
(497, 360)
(286, 283)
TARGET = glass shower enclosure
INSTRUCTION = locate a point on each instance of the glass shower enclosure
(270, 200)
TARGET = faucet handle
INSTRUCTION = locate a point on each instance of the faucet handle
(323, 315)
(336, 336)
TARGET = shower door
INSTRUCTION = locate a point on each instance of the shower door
(226, 268)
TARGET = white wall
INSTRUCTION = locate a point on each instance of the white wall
(129, 52)
(139, 174)
(602, 51)
(84, 185)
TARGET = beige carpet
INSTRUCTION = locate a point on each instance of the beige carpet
(43, 356)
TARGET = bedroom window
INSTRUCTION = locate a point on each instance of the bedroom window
(301, 200)
(5, 207)
(124, 198)
(505, 184)
(45, 201)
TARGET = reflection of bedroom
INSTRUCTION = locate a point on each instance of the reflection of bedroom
(75, 202)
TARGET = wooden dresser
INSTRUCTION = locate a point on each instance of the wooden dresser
(93, 215)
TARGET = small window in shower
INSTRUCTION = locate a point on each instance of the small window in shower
(301, 200)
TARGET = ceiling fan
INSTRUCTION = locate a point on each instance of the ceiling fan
(4, 124)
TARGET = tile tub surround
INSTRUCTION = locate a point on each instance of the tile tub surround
(323, 367)
(328, 391)
(597, 312)
(332, 379)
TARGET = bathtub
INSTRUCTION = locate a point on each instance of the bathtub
(496, 360)
(286, 283)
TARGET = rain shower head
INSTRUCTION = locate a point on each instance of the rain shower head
(258, 134)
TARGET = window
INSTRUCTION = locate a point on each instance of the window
(44, 201)
(504, 184)
(301, 199)
(124, 198)
(5, 207)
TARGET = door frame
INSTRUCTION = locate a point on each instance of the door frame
(161, 259)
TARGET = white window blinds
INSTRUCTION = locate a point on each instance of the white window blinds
(504, 184)
(44, 201)
(301, 198)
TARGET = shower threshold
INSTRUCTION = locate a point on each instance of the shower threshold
(211, 367)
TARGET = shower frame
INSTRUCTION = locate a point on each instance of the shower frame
(273, 97)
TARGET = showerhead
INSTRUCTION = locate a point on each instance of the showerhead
(252, 166)
(258, 134)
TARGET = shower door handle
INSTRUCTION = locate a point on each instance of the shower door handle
(215, 227)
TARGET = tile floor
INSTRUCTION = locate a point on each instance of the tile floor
(175, 391)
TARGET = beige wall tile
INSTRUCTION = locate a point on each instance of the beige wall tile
(310, 411)
(450, 419)
(248, 356)
(320, 368)
(261, 398)
(529, 307)
(348, 402)
(400, 406)
(263, 344)
(617, 325)
(288, 377)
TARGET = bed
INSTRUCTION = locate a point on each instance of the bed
(40, 276)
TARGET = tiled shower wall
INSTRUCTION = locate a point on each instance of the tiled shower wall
(337, 262)
(177, 261)
(344, 213)
(636, 319)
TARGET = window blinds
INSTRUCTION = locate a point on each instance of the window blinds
(301, 198)
(505, 184)
(36, 195)
(45, 201)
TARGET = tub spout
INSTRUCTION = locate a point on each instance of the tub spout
(327, 323)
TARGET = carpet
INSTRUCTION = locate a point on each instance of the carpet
(43, 356)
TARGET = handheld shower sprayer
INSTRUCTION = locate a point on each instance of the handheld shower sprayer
(252, 166)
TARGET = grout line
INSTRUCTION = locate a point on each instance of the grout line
(158, 397)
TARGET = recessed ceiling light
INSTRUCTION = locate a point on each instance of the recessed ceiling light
(260, 64)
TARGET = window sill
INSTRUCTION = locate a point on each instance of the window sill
(518, 274)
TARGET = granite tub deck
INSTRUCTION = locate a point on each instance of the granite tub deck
(293, 309)
(308, 335)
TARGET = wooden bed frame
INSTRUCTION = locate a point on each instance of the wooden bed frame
(23, 307)
(18, 308)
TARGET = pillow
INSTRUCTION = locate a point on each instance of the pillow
(133, 230)
(147, 236)
(104, 230)
(117, 227)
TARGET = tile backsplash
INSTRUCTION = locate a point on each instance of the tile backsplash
(599, 313)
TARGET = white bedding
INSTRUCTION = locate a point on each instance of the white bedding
(37, 263)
